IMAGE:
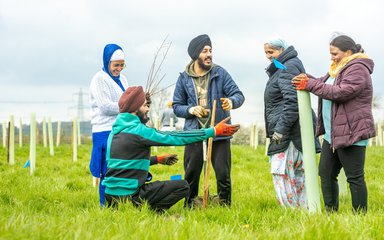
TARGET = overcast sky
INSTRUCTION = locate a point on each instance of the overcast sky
(51, 49)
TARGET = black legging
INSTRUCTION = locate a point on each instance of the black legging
(221, 162)
(160, 195)
(352, 159)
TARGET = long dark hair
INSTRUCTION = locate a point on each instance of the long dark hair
(345, 43)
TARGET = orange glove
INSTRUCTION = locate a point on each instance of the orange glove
(300, 81)
(223, 129)
(167, 159)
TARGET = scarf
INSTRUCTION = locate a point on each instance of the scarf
(107, 54)
(335, 68)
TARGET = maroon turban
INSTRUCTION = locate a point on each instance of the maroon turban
(132, 99)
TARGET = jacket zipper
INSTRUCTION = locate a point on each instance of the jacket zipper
(332, 113)
(194, 88)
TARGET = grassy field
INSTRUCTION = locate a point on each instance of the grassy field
(59, 202)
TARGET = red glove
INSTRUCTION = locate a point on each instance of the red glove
(223, 129)
(300, 81)
(167, 159)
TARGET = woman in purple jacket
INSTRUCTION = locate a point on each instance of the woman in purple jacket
(345, 118)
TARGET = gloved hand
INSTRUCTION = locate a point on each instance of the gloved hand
(198, 111)
(300, 81)
(167, 159)
(277, 137)
(224, 129)
(226, 104)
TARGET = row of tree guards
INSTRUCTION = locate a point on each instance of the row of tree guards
(309, 154)
(256, 131)
(9, 138)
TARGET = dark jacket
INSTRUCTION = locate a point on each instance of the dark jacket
(280, 103)
(221, 85)
(351, 96)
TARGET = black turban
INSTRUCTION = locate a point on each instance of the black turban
(197, 45)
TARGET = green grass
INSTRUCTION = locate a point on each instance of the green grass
(59, 202)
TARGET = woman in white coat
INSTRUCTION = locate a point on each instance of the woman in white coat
(105, 90)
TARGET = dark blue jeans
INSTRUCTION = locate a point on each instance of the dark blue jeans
(352, 159)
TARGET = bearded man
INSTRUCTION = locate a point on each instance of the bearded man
(197, 87)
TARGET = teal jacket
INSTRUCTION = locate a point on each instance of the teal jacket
(129, 150)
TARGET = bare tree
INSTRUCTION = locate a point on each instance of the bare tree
(159, 102)
(157, 95)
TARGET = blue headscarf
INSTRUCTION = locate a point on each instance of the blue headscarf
(278, 43)
(109, 49)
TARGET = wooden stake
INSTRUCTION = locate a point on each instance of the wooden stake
(21, 133)
(50, 137)
(267, 142)
(11, 141)
(256, 141)
(78, 133)
(44, 132)
(32, 144)
(4, 134)
(58, 133)
(252, 137)
(209, 155)
(37, 133)
(255, 136)
(7, 148)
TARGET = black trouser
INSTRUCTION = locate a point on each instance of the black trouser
(160, 195)
(352, 159)
(221, 162)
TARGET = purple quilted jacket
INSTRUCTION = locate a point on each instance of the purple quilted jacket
(351, 96)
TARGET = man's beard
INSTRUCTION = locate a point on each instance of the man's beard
(202, 65)
(143, 117)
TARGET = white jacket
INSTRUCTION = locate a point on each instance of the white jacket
(104, 95)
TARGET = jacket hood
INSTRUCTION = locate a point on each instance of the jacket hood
(124, 121)
(289, 53)
(368, 63)
(107, 54)
(191, 73)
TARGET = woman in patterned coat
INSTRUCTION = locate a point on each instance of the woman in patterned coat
(282, 124)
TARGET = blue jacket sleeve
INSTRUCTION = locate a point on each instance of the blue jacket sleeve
(232, 90)
(180, 99)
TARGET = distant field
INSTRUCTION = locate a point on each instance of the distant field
(59, 202)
